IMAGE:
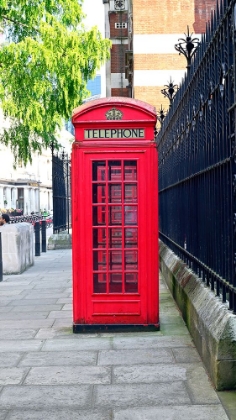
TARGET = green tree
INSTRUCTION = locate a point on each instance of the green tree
(45, 64)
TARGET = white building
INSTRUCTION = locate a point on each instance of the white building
(28, 188)
(25, 188)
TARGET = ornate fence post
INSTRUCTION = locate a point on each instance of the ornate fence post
(44, 236)
(37, 239)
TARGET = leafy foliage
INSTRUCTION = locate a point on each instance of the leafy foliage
(44, 68)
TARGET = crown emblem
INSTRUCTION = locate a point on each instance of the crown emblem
(114, 114)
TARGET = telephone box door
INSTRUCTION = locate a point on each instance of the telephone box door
(116, 276)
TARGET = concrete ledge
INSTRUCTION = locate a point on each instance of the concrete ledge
(211, 324)
(17, 247)
(60, 240)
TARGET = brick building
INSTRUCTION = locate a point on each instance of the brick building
(143, 35)
(117, 28)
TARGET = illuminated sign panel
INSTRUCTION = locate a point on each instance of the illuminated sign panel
(115, 133)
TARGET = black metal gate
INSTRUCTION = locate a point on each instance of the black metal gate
(61, 190)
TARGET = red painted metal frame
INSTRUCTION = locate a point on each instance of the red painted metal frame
(107, 309)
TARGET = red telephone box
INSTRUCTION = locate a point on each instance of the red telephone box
(115, 216)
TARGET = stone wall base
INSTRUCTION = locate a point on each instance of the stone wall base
(211, 325)
(60, 240)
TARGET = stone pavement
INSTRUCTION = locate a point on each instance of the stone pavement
(49, 373)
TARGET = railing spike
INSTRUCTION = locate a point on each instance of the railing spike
(217, 12)
(214, 21)
(225, 6)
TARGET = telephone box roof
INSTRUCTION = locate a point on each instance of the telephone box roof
(126, 103)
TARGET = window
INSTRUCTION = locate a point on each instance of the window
(121, 25)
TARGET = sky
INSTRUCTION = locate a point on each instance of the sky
(94, 9)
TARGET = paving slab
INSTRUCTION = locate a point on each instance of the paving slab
(29, 323)
(64, 300)
(10, 292)
(186, 354)
(46, 333)
(46, 295)
(61, 314)
(135, 356)
(162, 412)
(4, 309)
(35, 302)
(12, 376)
(61, 323)
(62, 375)
(138, 395)
(16, 316)
(62, 414)
(199, 387)
(77, 343)
(9, 359)
(59, 358)
(47, 372)
(41, 397)
(14, 334)
(151, 374)
(20, 345)
(151, 341)
(39, 308)
(17, 286)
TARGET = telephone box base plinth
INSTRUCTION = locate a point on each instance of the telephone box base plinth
(97, 328)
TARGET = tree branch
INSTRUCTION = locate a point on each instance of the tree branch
(16, 22)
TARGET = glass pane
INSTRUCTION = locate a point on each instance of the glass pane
(115, 260)
(114, 170)
(131, 260)
(99, 215)
(130, 170)
(99, 193)
(115, 215)
(131, 238)
(115, 202)
(99, 282)
(130, 215)
(99, 238)
(115, 283)
(131, 193)
(131, 282)
(99, 260)
(115, 238)
(99, 171)
(115, 193)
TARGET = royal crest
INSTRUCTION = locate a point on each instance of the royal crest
(114, 114)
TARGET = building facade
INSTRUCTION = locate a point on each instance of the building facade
(25, 189)
(144, 34)
(28, 189)
(117, 30)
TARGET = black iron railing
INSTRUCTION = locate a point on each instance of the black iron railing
(61, 188)
(197, 161)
